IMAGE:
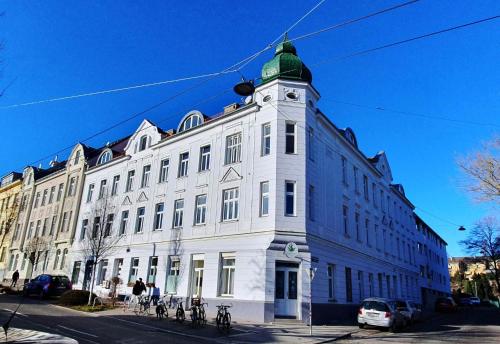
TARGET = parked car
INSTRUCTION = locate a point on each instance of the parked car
(475, 300)
(47, 285)
(380, 312)
(445, 304)
(411, 310)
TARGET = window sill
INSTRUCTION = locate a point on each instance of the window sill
(290, 215)
(182, 177)
(229, 221)
(180, 227)
(199, 225)
(204, 171)
(226, 296)
(232, 163)
(291, 153)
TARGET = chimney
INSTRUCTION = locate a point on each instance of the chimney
(231, 108)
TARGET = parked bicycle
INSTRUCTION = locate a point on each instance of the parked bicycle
(180, 315)
(143, 306)
(223, 318)
(198, 314)
(162, 307)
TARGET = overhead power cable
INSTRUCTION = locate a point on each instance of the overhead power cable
(236, 67)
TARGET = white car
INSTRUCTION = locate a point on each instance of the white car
(380, 312)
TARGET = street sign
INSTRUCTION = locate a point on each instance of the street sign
(291, 250)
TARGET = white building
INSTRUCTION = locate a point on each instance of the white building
(207, 210)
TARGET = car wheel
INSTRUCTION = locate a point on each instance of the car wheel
(360, 325)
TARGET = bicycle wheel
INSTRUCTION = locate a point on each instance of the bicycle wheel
(202, 317)
(226, 322)
(218, 321)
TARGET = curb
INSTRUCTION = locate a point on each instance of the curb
(344, 336)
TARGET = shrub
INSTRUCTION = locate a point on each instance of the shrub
(75, 297)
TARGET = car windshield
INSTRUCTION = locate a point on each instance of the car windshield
(375, 306)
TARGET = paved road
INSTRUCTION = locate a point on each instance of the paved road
(471, 325)
(124, 329)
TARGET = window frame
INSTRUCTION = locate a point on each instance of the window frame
(200, 211)
(204, 160)
(178, 217)
(293, 198)
(233, 148)
(230, 204)
(264, 199)
(291, 136)
(265, 143)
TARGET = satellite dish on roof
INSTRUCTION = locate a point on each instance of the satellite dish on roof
(244, 88)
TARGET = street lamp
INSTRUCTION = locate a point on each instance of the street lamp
(461, 228)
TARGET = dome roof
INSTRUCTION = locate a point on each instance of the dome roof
(285, 64)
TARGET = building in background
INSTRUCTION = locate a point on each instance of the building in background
(50, 201)
(245, 206)
(10, 186)
(434, 278)
(472, 275)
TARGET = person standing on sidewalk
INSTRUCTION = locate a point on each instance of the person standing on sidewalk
(15, 277)
(155, 296)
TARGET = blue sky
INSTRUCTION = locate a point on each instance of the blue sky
(55, 48)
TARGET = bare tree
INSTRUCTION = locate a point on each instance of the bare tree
(175, 250)
(11, 212)
(484, 243)
(98, 241)
(34, 249)
(483, 171)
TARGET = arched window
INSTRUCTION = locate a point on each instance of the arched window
(143, 143)
(56, 260)
(77, 157)
(193, 119)
(63, 259)
(105, 157)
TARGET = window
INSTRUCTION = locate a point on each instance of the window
(72, 186)
(382, 200)
(130, 181)
(134, 269)
(59, 192)
(266, 139)
(380, 285)
(204, 164)
(105, 157)
(53, 224)
(103, 269)
(77, 157)
(102, 189)
(310, 143)
(227, 275)
(311, 202)
(183, 164)
(63, 259)
(374, 194)
(264, 198)
(146, 171)
(96, 230)
(230, 207)
(30, 230)
(331, 281)
(367, 231)
(233, 149)
(201, 210)
(356, 221)
(344, 171)
(56, 259)
(85, 225)
(109, 225)
(377, 240)
(191, 122)
(76, 272)
(371, 287)
(361, 285)
(173, 275)
(37, 199)
(289, 198)
(158, 216)
(44, 227)
(388, 285)
(365, 187)
(143, 143)
(44, 197)
(123, 222)
(64, 222)
(90, 192)
(290, 138)
(139, 223)
(178, 213)
(345, 217)
(348, 284)
(356, 184)
(153, 269)
(164, 170)
(114, 187)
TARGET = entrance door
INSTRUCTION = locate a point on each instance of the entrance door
(285, 297)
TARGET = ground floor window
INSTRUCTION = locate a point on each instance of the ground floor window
(76, 272)
(361, 285)
(348, 284)
(153, 268)
(173, 275)
(227, 270)
(197, 278)
(102, 272)
(134, 269)
(331, 281)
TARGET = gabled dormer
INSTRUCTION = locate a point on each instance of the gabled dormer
(144, 137)
(380, 162)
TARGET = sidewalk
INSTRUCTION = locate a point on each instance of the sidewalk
(241, 332)
(17, 335)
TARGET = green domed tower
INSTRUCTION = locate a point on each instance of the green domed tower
(285, 64)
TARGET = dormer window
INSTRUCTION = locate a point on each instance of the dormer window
(105, 157)
(191, 120)
(143, 143)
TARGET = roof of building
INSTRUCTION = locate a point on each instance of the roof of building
(419, 220)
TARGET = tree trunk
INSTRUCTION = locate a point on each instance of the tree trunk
(94, 266)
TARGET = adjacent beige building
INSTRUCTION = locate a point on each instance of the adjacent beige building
(50, 200)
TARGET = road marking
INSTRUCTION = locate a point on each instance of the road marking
(17, 313)
(71, 329)
(205, 339)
